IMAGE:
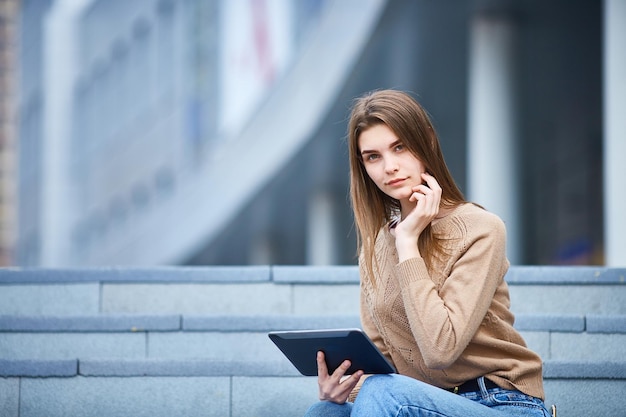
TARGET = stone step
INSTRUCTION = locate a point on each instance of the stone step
(192, 341)
(232, 338)
(265, 290)
(164, 387)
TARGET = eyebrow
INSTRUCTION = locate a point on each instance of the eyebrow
(392, 145)
(366, 152)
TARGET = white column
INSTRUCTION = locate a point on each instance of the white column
(59, 75)
(615, 132)
(492, 176)
(321, 244)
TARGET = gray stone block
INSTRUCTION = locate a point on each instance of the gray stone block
(548, 275)
(9, 396)
(588, 346)
(92, 323)
(326, 300)
(538, 342)
(213, 274)
(251, 298)
(184, 367)
(606, 323)
(265, 323)
(517, 275)
(550, 322)
(276, 397)
(574, 299)
(38, 368)
(586, 398)
(50, 299)
(113, 396)
(72, 345)
(585, 369)
(315, 274)
(156, 388)
(225, 346)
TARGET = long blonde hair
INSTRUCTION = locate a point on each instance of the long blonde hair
(373, 208)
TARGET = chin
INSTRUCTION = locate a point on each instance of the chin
(399, 194)
(403, 195)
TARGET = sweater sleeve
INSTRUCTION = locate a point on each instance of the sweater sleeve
(444, 322)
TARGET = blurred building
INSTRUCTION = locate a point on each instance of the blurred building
(212, 131)
(8, 143)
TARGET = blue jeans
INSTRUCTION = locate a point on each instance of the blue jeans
(398, 395)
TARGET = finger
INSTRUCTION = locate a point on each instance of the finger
(422, 189)
(426, 189)
(322, 369)
(347, 385)
(419, 195)
(426, 204)
(352, 381)
(338, 391)
(431, 181)
(341, 370)
(357, 376)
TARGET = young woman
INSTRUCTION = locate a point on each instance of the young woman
(433, 295)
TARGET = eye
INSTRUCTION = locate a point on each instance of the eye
(399, 147)
(371, 157)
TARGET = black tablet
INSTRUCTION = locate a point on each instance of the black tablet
(301, 347)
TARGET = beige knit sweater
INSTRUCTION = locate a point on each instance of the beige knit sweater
(450, 323)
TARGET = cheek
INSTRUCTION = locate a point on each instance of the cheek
(373, 174)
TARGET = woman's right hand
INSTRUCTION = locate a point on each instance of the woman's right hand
(337, 387)
(427, 199)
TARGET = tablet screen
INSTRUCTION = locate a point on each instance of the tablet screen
(301, 347)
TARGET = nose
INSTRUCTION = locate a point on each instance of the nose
(391, 165)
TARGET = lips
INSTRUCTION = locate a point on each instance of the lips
(395, 181)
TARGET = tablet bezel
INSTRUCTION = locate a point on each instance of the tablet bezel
(301, 347)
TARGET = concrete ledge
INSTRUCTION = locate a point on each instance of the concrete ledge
(339, 274)
(550, 322)
(584, 370)
(163, 367)
(200, 367)
(587, 397)
(111, 396)
(38, 368)
(264, 323)
(559, 275)
(92, 323)
(213, 274)
(517, 275)
(571, 323)
(315, 274)
(606, 324)
(267, 323)
(553, 369)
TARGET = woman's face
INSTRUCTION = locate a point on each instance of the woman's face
(392, 167)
